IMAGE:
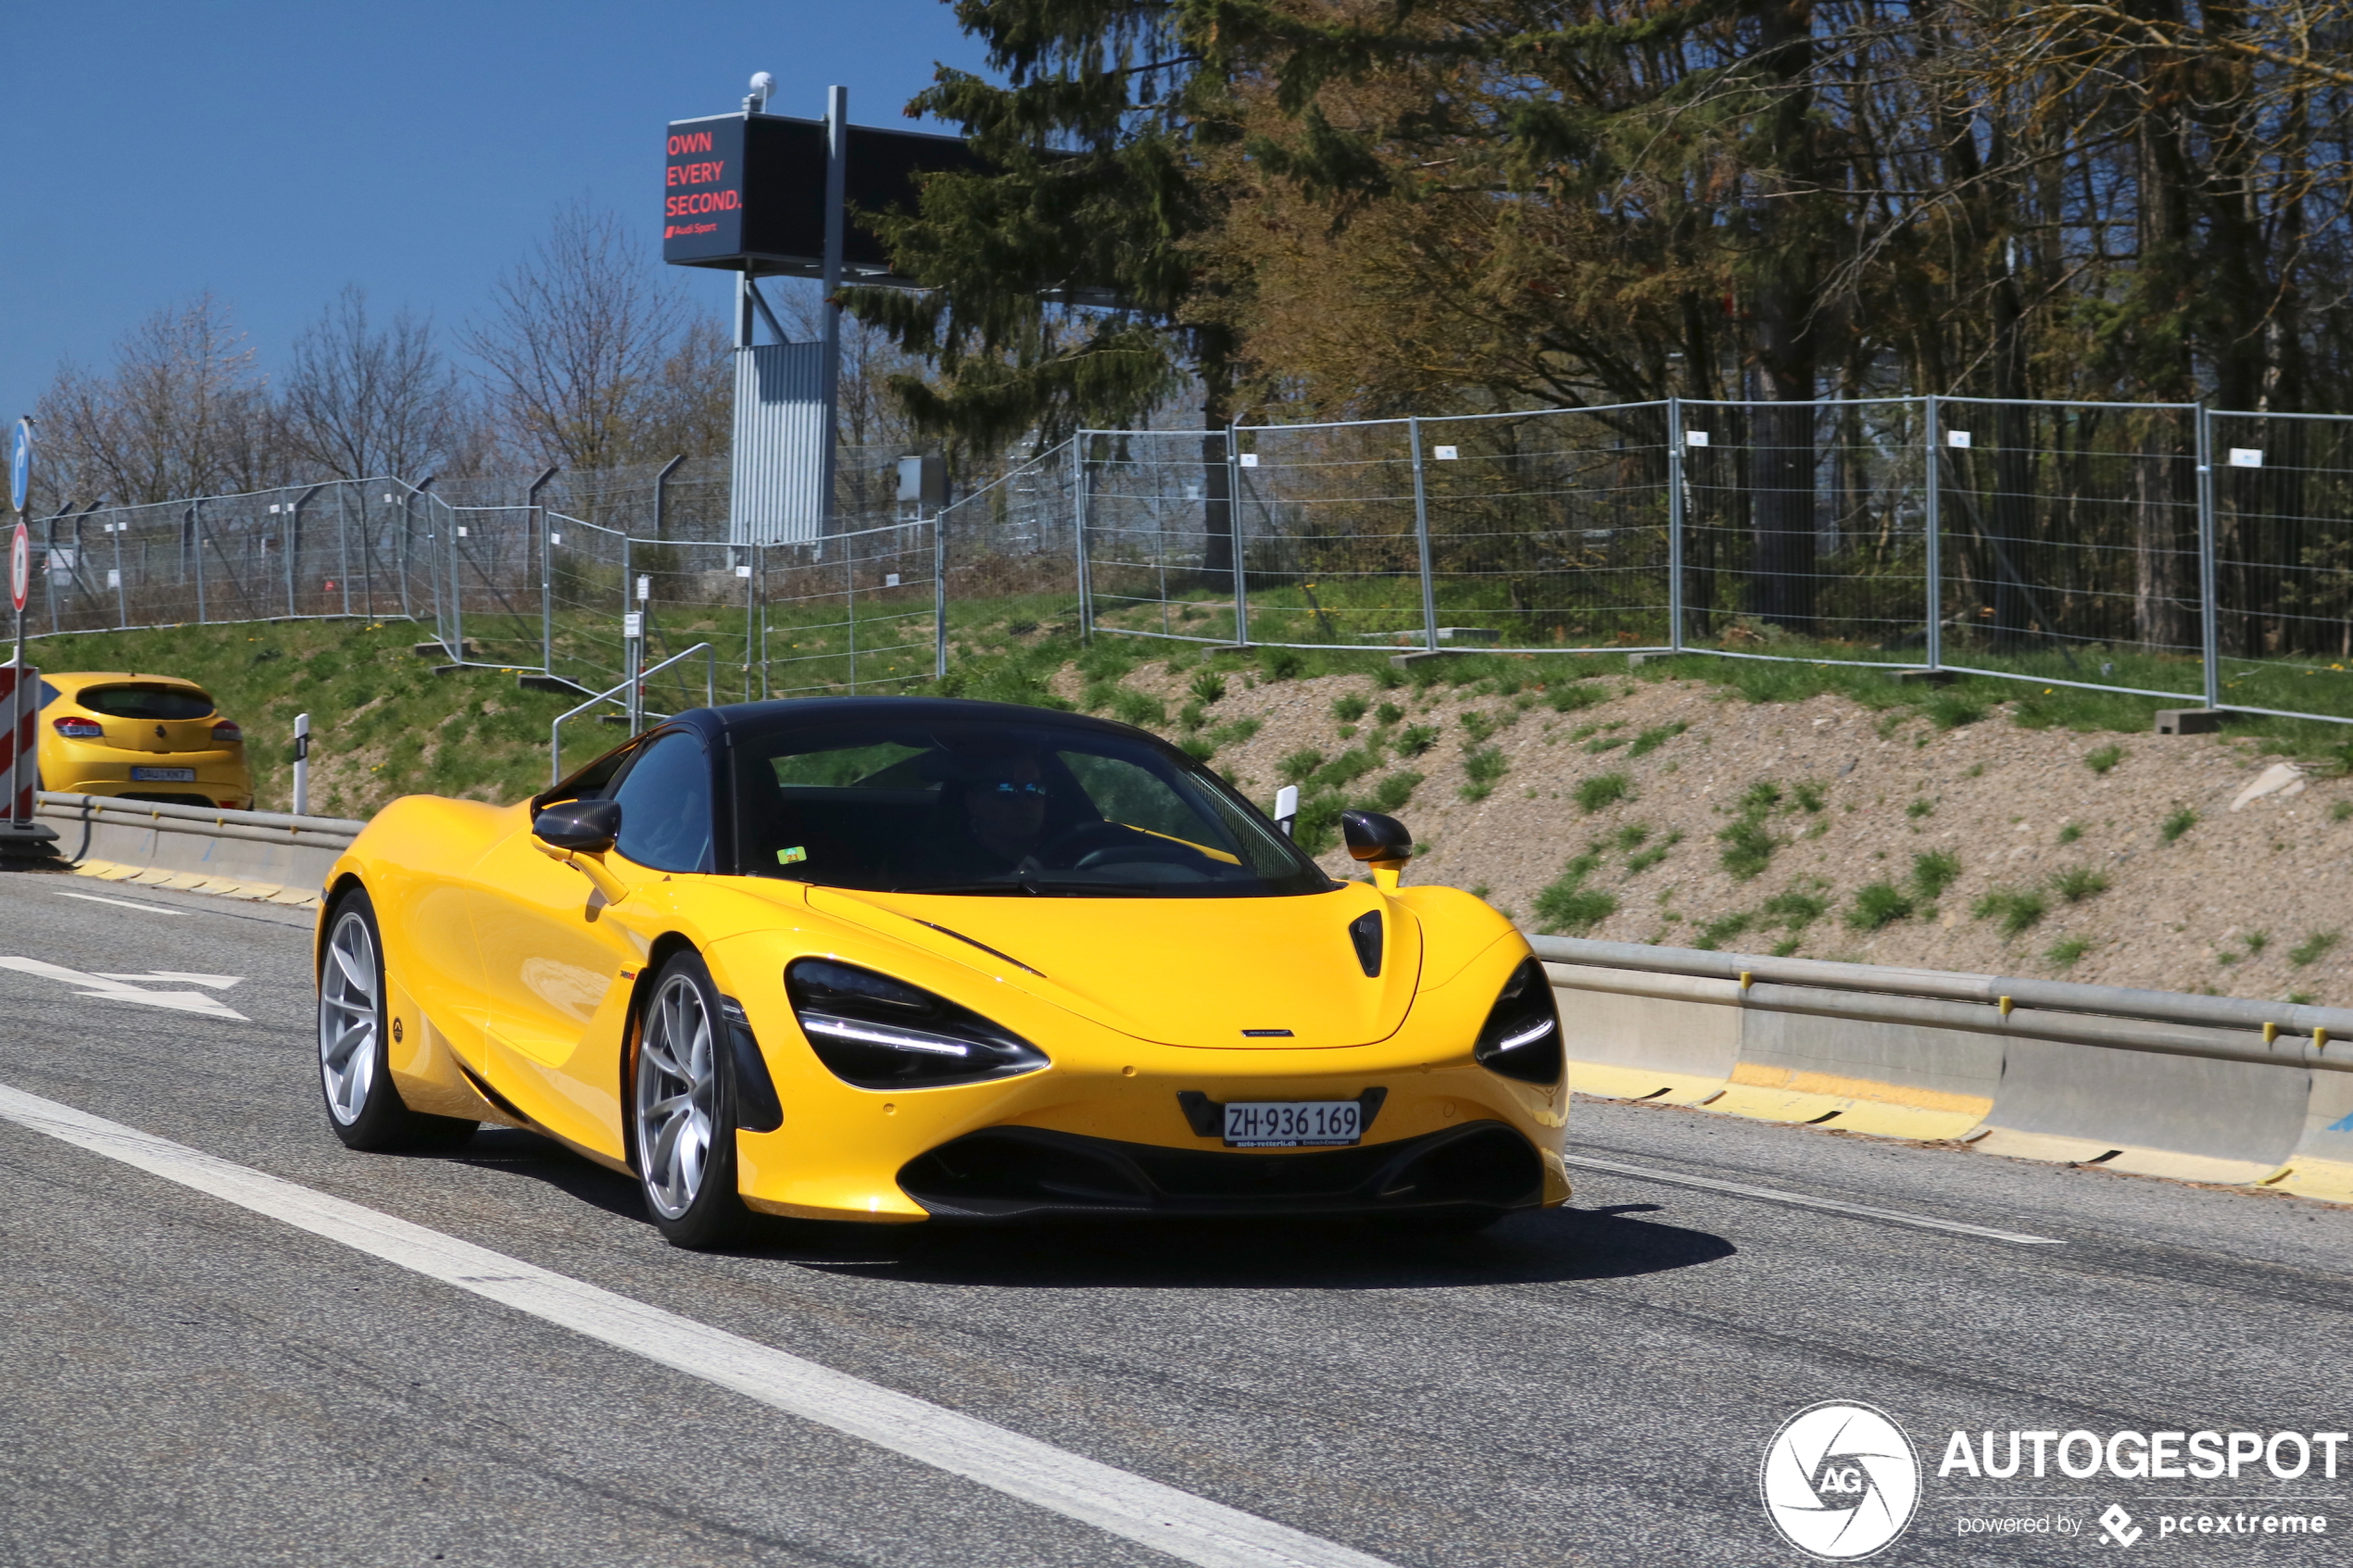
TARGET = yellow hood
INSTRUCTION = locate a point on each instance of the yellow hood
(1180, 971)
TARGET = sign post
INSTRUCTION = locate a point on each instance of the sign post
(20, 753)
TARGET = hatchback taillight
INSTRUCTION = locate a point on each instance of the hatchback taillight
(227, 732)
(81, 729)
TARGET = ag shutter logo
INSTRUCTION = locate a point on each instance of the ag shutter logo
(1839, 1481)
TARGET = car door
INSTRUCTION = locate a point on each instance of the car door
(560, 959)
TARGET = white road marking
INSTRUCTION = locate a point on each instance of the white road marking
(107, 989)
(1189, 1528)
(212, 982)
(121, 903)
(1836, 1206)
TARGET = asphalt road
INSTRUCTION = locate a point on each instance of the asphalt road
(185, 1381)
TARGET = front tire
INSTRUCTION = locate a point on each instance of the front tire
(682, 1112)
(364, 1106)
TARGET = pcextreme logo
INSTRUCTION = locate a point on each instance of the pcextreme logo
(1839, 1481)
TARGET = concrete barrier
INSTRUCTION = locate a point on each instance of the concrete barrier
(256, 855)
(2199, 1088)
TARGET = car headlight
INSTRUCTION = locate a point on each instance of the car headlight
(882, 1034)
(1522, 1036)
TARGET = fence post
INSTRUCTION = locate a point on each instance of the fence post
(457, 590)
(1675, 523)
(1078, 523)
(2209, 619)
(195, 533)
(401, 556)
(940, 593)
(627, 587)
(1234, 526)
(1421, 537)
(547, 573)
(343, 545)
(850, 607)
(1934, 565)
(121, 600)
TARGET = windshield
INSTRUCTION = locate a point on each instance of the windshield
(989, 809)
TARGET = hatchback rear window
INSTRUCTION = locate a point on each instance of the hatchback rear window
(146, 702)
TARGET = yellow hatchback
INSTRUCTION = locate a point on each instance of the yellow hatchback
(140, 737)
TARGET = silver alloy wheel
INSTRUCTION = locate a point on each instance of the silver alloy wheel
(349, 1018)
(678, 1097)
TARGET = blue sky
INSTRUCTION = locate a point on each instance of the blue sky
(273, 150)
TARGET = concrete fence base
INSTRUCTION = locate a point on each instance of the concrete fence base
(2197, 1088)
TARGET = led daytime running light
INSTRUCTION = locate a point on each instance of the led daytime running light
(843, 1029)
(1524, 1036)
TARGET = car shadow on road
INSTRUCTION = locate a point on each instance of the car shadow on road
(1537, 1247)
(543, 1160)
(1543, 1246)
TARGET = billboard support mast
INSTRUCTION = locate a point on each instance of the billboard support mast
(837, 189)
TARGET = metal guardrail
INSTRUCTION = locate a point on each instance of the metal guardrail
(260, 827)
(2284, 1034)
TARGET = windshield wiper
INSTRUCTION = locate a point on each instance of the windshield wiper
(1023, 886)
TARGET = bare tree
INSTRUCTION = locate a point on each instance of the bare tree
(361, 400)
(689, 409)
(575, 340)
(183, 412)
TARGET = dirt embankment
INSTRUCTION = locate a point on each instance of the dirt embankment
(1676, 812)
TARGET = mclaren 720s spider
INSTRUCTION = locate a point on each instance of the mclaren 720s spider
(910, 959)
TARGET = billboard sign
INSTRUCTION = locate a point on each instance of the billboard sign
(747, 192)
(702, 190)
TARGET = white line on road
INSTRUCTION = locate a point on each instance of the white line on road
(1187, 1527)
(119, 903)
(1836, 1206)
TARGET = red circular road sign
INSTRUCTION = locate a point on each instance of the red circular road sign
(20, 565)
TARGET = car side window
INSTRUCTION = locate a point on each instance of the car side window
(665, 806)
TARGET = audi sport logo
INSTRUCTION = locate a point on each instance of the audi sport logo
(1839, 1481)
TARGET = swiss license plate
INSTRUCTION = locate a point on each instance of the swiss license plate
(163, 776)
(1293, 1124)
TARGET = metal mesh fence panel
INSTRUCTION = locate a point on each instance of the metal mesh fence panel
(489, 557)
(1805, 530)
(2283, 531)
(342, 548)
(1548, 530)
(1014, 566)
(1325, 530)
(2070, 543)
(852, 613)
(691, 592)
(2062, 542)
(1159, 532)
(587, 592)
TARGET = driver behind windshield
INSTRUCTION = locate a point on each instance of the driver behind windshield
(993, 815)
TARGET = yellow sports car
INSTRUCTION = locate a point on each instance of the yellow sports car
(140, 737)
(908, 959)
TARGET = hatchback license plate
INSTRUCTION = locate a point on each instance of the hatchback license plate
(1293, 1124)
(163, 776)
